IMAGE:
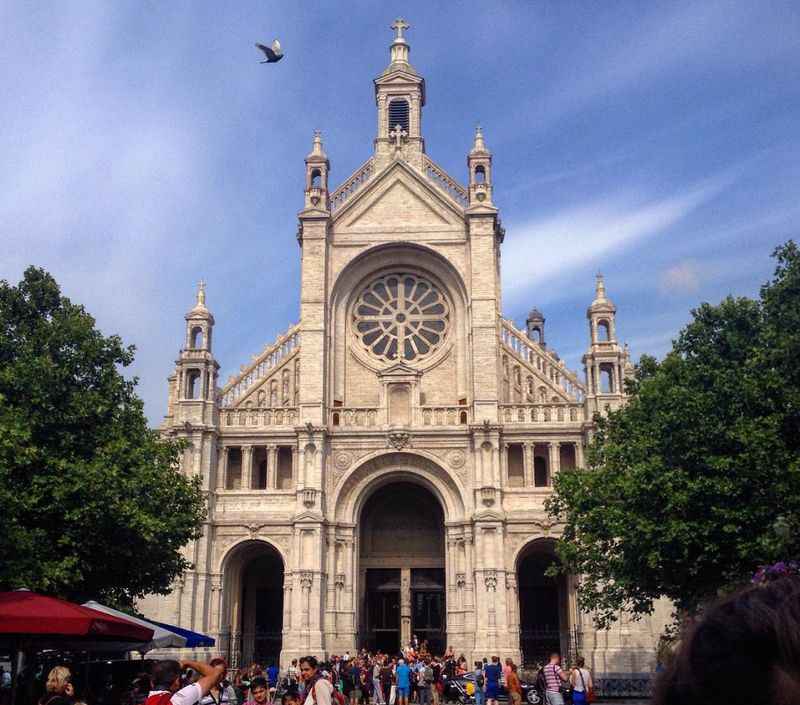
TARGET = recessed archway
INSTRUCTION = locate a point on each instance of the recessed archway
(543, 604)
(251, 628)
(401, 567)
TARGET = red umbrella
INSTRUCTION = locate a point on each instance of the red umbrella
(26, 613)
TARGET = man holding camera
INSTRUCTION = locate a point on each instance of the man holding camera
(169, 687)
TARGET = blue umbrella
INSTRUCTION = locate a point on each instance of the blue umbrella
(193, 639)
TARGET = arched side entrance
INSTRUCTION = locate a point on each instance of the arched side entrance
(544, 618)
(401, 568)
(252, 623)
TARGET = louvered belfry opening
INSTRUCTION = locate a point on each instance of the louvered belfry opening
(398, 114)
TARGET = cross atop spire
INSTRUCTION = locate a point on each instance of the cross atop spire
(201, 293)
(399, 26)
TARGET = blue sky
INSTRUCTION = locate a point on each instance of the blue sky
(144, 147)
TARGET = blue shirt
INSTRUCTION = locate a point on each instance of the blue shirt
(402, 673)
(493, 673)
(272, 675)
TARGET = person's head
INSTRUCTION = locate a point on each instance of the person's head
(752, 636)
(400, 662)
(219, 662)
(259, 690)
(580, 662)
(166, 675)
(294, 660)
(479, 664)
(59, 681)
(290, 699)
(555, 657)
(308, 667)
(509, 662)
(495, 659)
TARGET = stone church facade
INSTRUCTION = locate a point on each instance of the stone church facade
(380, 470)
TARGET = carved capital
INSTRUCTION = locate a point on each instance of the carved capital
(309, 497)
(490, 579)
(461, 580)
(306, 579)
(340, 580)
(488, 495)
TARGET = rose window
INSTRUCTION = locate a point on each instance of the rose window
(401, 317)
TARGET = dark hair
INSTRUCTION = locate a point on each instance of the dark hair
(748, 640)
(258, 682)
(164, 674)
(580, 662)
(310, 660)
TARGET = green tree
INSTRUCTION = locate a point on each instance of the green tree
(93, 504)
(696, 481)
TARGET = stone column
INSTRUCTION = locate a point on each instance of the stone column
(272, 467)
(527, 460)
(247, 467)
(555, 459)
(597, 384)
(405, 606)
(579, 454)
(222, 467)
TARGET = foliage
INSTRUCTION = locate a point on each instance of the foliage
(93, 504)
(696, 481)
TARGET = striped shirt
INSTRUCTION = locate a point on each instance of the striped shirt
(551, 671)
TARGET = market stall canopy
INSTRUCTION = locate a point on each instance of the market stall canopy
(37, 617)
(161, 638)
(193, 639)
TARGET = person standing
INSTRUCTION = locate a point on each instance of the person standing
(555, 677)
(492, 673)
(581, 680)
(513, 686)
(319, 690)
(480, 684)
(167, 689)
(376, 682)
(403, 676)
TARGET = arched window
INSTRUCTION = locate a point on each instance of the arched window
(480, 174)
(606, 378)
(196, 338)
(542, 395)
(398, 114)
(536, 335)
(316, 178)
(192, 384)
(603, 331)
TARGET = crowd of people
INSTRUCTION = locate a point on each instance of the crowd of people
(751, 638)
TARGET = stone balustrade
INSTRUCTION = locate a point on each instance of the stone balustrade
(261, 366)
(445, 415)
(542, 413)
(351, 185)
(542, 359)
(354, 416)
(259, 417)
(445, 182)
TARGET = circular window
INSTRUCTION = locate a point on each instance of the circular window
(401, 317)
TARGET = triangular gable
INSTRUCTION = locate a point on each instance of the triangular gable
(400, 190)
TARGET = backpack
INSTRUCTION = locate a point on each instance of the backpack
(541, 681)
(480, 680)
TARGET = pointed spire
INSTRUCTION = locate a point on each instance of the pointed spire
(398, 51)
(479, 146)
(200, 310)
(600, 288)
(317, 152)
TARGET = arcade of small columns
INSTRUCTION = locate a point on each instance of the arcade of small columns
(277, 463)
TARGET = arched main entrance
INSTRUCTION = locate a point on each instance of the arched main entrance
(253, 575)
(543, 604)
(401, 568)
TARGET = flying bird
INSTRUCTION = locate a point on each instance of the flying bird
(273, 53)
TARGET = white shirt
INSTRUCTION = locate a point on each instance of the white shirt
(323, 690)
(188, 695)
(579, 684)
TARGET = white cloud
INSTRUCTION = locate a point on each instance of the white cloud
(681, 279)
(544, 249)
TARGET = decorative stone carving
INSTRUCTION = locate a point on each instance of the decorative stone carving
(309, 497)
(340, 580)
(490, 579)
(488, 495)
(306, 579)
(456, 458)
(342, 460)
(398, 439)
(461, 580)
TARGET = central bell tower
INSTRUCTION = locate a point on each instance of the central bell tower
(399, 95)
